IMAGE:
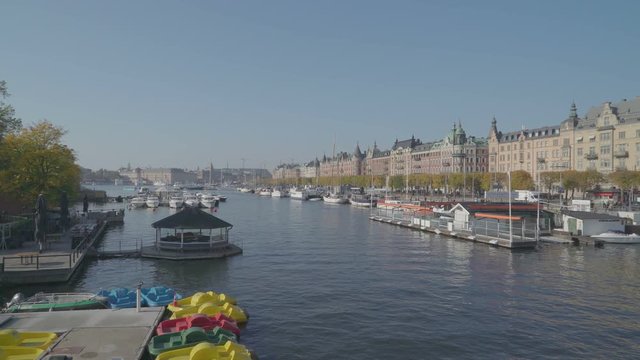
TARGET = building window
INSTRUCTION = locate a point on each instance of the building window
(579, 165)
(604, 163)
(621, 135)
(606, 121)
(605, 136)
(565, 152)
(605, 149)
(638, 133)
(555, 142)
(592, 150)
(565, 142)
(579, 152)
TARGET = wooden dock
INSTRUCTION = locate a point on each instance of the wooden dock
(95, 334)
(526, 243)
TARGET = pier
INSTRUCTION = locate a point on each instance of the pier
(63, 253)
(98, 334)
(487, 229)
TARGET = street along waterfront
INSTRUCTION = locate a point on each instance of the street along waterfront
(323, 281)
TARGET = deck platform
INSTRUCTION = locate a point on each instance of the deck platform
(214, 253)
(96, 334)
(460, 234)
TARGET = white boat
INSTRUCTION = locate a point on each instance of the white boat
(279, 193)
(138, 201)
(299, 194)
(191, 200)
(265, 192)
(246, 190)
(362, 201)
(152, 201)
(617, 237)
(176, 201)
(208, 200)
(335, 199)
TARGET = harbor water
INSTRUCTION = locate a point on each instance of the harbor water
(322, 281)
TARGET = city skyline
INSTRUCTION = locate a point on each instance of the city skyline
(161, 84)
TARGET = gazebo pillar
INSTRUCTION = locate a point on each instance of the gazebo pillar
(181, 239)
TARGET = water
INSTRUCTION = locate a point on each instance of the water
(323, 282)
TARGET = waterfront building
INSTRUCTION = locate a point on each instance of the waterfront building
(343, 164)
(606, 139)
(376, 162)
(455, 153)
(310, 170)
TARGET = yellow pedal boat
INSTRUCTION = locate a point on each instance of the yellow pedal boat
(19, 353)
(40, 340)
(201, 298)
(232, 311)
(208, 351)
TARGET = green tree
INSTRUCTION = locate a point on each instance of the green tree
(37, 162)
(8, 122)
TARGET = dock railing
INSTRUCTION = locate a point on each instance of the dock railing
(521, 231)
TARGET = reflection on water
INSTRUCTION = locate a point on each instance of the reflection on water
(324, 282)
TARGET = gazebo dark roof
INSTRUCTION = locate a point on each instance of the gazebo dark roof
(191, 218)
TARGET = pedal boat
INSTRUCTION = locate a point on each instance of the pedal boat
(198, 320)
(189, 337)
(208, 351)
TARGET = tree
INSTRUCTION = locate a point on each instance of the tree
(571, 181)
(547, 179)
(625, 180)
(521, 180)
(589, 179)
(37, 162)
(9, 124)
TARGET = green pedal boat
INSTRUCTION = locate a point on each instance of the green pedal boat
(189, 337)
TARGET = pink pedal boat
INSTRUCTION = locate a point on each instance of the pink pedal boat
(198, 320)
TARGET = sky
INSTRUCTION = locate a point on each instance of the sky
(185, 83)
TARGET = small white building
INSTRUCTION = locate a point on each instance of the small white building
(590, 223)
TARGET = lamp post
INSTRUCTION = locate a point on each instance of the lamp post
(540, 162)
(510, 221)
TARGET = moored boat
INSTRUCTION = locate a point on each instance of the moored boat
(264, 192)
(205, 350)
(119, 298)
(198, 320)
(362, 201)
(191, 200)
(617, 237)
(40, 340)
(201, 298)
(208, 200)
(56, 302)
(138, 201)
(176, 202)
(152, 201)
(159, 296)
(20, 353)
(335, 199)
(232, 311)
(298, 194)
(190, 337)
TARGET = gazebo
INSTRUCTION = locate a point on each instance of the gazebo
(194, 220)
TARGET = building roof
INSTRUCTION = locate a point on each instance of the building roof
(587, 215)
(191, 218)
(627, 111)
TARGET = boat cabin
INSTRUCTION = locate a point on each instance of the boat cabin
(590, 223)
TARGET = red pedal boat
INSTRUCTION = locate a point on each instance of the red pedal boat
(198, 320)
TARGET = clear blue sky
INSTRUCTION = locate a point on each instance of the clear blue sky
(182, 83)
